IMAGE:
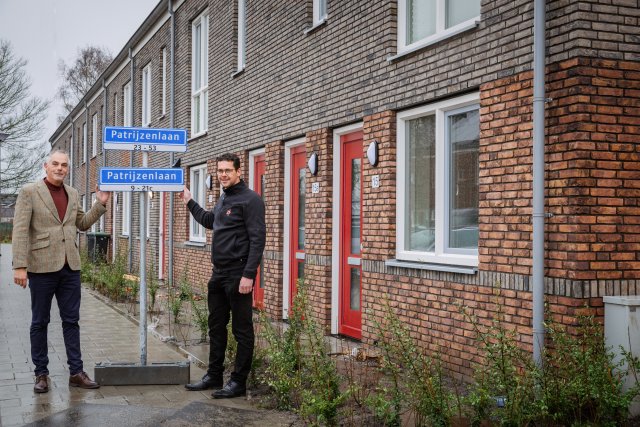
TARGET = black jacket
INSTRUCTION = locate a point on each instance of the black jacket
(239, 230)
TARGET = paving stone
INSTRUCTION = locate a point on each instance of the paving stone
(106, 335)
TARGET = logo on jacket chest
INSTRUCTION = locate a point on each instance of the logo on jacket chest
(228, 212)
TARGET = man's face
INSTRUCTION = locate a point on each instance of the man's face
(57, 168)
(227, 175)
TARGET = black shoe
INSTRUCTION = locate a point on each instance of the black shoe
(205, 383)
(232, 389)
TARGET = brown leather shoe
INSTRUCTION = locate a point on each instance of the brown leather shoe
(42, 384)
(82, 380)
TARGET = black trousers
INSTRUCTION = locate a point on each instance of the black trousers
(65, 285)
(226, 301)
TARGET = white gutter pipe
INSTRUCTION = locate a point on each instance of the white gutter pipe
(538, 178)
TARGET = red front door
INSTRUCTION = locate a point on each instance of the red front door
(296, 233)
(350, 318)
(258, 187)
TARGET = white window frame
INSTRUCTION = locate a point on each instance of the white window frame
(164, 81)
(440, 33)
(94, 135)
(84, 143)
(319, 12)
(200, 89)
(440, 255)
(146, 96)
(197, 232)
(126, 207)
(242, 34)
(127, 113)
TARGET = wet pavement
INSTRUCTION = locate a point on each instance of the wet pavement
(106, 336)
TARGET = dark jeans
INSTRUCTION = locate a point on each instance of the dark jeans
(65, 285)
(225, 299)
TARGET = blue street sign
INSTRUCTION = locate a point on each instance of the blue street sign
(141, 179)
(144, 139)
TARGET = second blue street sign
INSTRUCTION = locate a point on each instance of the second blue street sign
(141, 179)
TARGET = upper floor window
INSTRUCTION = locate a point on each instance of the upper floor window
(199, 74)
(422, 22)
(126, 101)
(115, 109)
(198, 175)
(146, 95)
(164, 81)
(94, 135)
(242, 33)
(84, 142)
(319, 11)
(437, 189)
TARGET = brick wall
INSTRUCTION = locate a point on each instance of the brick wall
(318, 214)
(505, 182)
(593, 173)
(274, 215)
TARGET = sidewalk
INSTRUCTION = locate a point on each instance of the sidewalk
(106, 336)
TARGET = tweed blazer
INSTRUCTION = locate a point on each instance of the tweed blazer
(41, 240)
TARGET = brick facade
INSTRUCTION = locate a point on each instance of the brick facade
(300, 82)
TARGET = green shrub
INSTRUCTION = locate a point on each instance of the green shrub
(201, 317)
(416, 382)
(582, 383)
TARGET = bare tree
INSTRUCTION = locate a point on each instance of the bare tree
(78, 77)
(21, 118)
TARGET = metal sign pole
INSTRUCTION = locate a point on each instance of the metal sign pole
(142, 180)
(143, 268)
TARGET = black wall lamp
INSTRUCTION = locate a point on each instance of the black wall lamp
(372, 153)
(313, 164)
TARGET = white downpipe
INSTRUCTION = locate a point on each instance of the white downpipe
(538, 178)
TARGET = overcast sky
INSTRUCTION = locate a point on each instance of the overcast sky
(45, 31)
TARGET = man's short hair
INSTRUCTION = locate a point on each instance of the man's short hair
(230, 157)
(56, 151)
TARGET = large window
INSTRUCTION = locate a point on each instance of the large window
(199, 74)
(319, 11)
(126, 101)
(242, 33)
(198, 176)
(422, 22)
(437, 188)
(146, 95)
(94, 135)
(126, 207)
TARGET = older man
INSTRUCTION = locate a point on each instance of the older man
(46, 257)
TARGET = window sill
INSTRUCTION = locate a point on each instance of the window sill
(237, 73)
(195, 244)
(194, 137)
(432, 40)
(124, 236)
(431, 266)
(315, 26)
